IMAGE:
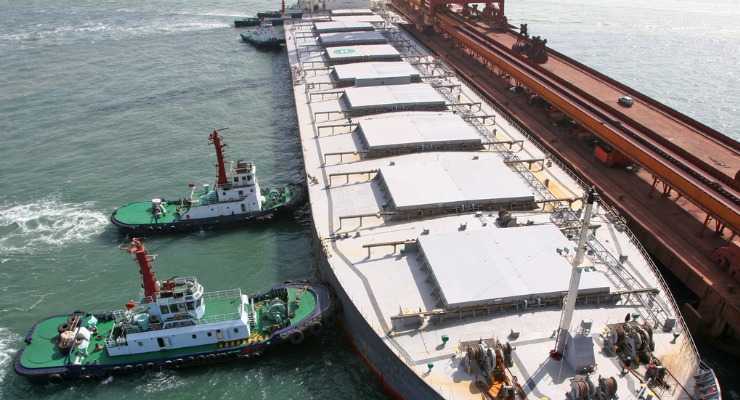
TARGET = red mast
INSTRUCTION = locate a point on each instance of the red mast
(147, 273)
(216, 142)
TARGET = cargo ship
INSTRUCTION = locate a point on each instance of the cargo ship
(176, 324)
(468, 261)
(235, 199)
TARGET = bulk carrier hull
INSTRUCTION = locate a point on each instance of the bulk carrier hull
(451, 238)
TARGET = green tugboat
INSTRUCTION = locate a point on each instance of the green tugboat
(176, 324)
(235, 199)
(265, 36)
(247, 21)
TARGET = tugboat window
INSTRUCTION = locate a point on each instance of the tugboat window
(236, 179)
(195, 336)
(210, 334)
(249, 177)
(164, 310)
(160, 341)
(236, 330)
(173, 308)
(191, 305)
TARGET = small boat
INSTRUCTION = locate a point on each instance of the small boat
(265, 36)
(235, 199)
(176, 324)
(247, 21)
(269, 14)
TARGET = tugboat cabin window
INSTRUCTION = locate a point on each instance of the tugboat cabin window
(164, 310)
(160, 341)
(249, 177)
(210, 334)
(236, 330)
(236, 179)
(241, 193)
(140, 343)
(251, 190)
(173, 308)
(197, 303)
(191, 305)
(195, 336)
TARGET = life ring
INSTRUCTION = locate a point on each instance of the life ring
(56, 379)
(316, 329)
(64, 327)
(73, 320)
(296, 337)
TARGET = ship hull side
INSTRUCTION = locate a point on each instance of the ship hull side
(391, 371)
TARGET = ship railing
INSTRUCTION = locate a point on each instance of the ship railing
(625, 280)
(629, 280)
(663, 285)
(219, 318)
(222, 294)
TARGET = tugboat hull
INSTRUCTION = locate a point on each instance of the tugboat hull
(43, 361)
(170, 225)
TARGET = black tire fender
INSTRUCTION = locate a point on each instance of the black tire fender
(296, 337)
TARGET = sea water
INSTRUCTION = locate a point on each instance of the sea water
(105, 103)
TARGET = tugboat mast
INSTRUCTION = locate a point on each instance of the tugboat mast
(216, 142)
(147, 273)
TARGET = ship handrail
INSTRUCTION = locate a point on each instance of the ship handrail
(661, 281)
(222, 294)
(218, 318)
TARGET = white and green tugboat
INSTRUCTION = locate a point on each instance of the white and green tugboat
(265, 36)
(175, 324)
(235, 199)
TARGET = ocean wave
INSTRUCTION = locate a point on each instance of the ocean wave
(7, 351)
(26, 228)
(110, 29)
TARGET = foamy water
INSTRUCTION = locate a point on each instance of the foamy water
(27, 228)
(8, 340)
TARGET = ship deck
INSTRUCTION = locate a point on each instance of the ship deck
(486, 281)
